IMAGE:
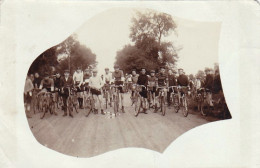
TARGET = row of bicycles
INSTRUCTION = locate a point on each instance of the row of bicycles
(179, 99)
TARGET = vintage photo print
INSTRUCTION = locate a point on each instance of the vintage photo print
(127, 77)
(129, 84)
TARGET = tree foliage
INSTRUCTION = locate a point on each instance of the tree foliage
(67, 55)
(149, 51)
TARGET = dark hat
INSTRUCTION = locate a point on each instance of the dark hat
(66, 71)
(134, 70)
(152, 71)
(116, 66)
(180, 69)
(162, 67)
(106, 68)
(46, 74)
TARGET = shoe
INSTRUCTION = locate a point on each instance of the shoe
(145, 111)
(71, 115)
(64, 115)
(102, 112)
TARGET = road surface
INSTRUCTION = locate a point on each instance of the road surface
(96, 134)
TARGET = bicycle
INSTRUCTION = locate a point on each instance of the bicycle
(48, 104)
(162, 99)
(141, 99)
(72, 101)
(174, 98)
(134, 97)
(183, 100)
(89, 103)
(116, 97)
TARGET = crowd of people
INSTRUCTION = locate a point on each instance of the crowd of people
(89, 82)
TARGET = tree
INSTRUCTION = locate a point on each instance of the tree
(149, 50)
(67, 55)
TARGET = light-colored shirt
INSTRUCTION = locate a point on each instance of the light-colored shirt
(197, 84)
(28, 86)
(107, 78)
(78, 77)
(96, 82)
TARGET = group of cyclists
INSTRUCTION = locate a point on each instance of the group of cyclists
(146, 86)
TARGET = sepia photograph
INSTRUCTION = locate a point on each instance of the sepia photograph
(127, 77)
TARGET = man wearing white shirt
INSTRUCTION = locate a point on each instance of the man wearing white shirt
(95, 84)
(107, 81)
(78, 81)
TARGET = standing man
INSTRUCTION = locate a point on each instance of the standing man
(152, 83)
(209, 86)
(37, 80)
(57, 86)
(78, 81)
(66, 84)
(143, 81)
(95, 84)
(28, 95)
(172, 82)
(182, 80)
(118, 77)
(162, 82)
(107, 82)
(134, 79)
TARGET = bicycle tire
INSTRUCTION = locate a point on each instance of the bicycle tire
(185, 107)
(163, 106)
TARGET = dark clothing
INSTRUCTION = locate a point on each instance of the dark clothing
(209, 82)
(172, 80)
(162, 79)
(183, 80)
(117, 75)
(47, 83)
(66, 83)
(95, 91)
(57, 82)
(143, 80)
(37, 82)
(217, 87)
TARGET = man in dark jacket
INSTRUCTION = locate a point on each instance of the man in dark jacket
(172, 82)
(143, 81)
(66, 84)
(208, 86)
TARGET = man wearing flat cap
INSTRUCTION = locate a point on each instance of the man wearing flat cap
(66, 84)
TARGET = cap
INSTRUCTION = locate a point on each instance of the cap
(207, 69)
(46, 74)
(94, 71)
(162, 67)
(143, 68)
(133, 69)
(106, 68)
(173, 71)
(66, 71)
(180, 69)
(116, 66)
(152, 71)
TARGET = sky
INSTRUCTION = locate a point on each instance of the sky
(108, 32)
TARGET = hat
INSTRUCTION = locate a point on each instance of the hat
(116, 66)
(152, 71)
(173, 71)
(207, 69)
(106, 68)
(180, 69)
(143, 68)
(94, 71)
(162, 67)
(133, 69)
(46, 74)
(66, 71)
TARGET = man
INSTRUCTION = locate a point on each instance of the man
(134, 79)
(28, 95)
(152, 83)
(37, 80)
(182, 81)
(47, 85)
(118, 77)
(66, 84)
(95, 84)
(172, 82)
(162, 82)
(143, 82)
(57, 86)
(78, 81)
(208, 85)
(107, 82)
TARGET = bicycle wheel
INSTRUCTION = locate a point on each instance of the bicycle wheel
(44, 108)
(106, 98)
(185, 107)
(176, 104)
(163, 105)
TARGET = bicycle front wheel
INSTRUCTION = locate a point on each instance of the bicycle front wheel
(185, 107)
(163, 105)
